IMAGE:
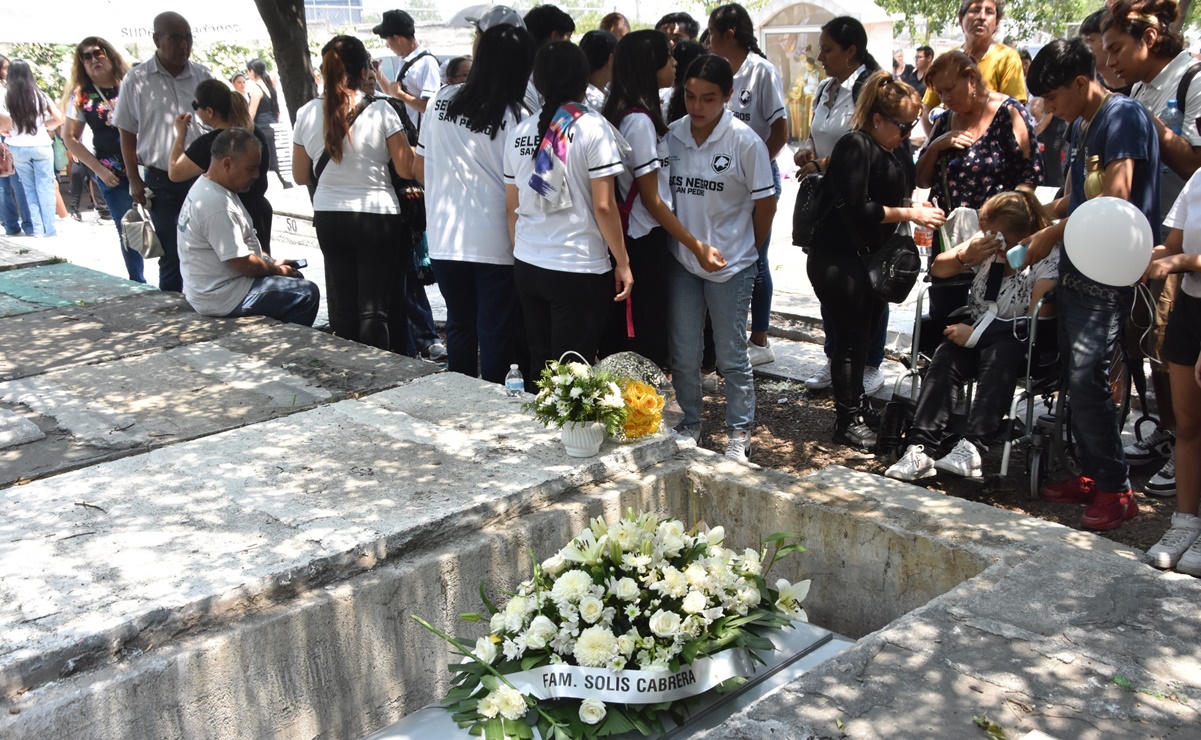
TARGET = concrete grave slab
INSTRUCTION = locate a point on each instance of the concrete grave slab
(10, 306)
(58, 285)
(81, 335)
(96, 560)
(17, 430)
(262, 371)
(14, 255)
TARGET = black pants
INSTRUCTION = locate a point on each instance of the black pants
(363, 253)
(164, 214)
(840, 282)
(563, 311)
(647, 305)
(996, 369)
(261, 216)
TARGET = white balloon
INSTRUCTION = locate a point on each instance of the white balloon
(1109, 240)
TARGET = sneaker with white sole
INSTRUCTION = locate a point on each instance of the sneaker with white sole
(915, 464)
(739, 446)
(687, 435)
(873, 380)
(1154, 448)
(709, 382)
(1190, 561)
(436, 351)
(964, 461)
(760, 355)
(820, 380)
(1183, 532)
(1163, 483)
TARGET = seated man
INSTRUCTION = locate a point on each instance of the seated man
(991, 348)
(225, 272)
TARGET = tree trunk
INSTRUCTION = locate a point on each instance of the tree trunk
(285, 23)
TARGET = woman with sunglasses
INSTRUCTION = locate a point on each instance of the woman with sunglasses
(219, 107)
(868, 180)
(982, 145)
(91, 98)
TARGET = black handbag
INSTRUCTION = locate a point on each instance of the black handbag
(810, 210)
(892, 269)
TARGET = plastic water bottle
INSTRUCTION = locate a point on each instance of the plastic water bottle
(1173, 117)
(514, 383)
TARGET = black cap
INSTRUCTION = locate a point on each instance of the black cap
(395, 23)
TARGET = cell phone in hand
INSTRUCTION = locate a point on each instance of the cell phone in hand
(300, 264)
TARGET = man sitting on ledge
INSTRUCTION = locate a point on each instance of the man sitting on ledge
(225, 272)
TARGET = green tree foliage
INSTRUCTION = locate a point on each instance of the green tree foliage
(1022, 17)
(50, 63)
(225, 60)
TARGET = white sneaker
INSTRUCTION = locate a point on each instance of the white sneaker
(1190, 561)
(1163, 483)
(873, 380)
(709, 382)
(739, 446)
(760, 355)
(913, 465)
(963, 461)
(436, 351)
(820, 380)
(1152, 449)
(687, 436)
(1183, 532)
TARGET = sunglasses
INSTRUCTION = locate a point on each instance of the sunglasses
(905, 127)
(91, 54)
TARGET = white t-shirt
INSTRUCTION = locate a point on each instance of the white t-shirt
(533, 99)
(829, 124)
(715, 186)
(38, 138)
(359, 182)
(650, 153)
(594, 97)
(758, 99)
(214, 227)
(1155, 96)
(566, 240)
(464, 186)
(1186, 215)
(421, 81)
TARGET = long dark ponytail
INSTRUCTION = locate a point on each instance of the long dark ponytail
(497, 82)
(636, 63)
(733, 17)
(847, 31)
(561, 77)
(259, 67)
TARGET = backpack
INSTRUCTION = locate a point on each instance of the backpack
(404, 70)
(810, 211)
(1182, 90)
(6, 161)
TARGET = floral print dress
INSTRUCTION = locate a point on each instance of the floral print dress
(993, 164)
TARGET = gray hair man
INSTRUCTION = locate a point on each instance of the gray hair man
(225, 272)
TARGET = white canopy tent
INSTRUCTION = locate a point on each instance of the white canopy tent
(122, 22)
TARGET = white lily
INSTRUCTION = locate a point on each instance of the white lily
(791, 596)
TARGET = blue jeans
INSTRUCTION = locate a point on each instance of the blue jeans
(875, 349)
(287, 299)
(14, 210)
(1089, 327)
(417, 311)
(762, 294)
(119, 202)
(483, 317)
(727, 303)
(35, 167)
(164, 214)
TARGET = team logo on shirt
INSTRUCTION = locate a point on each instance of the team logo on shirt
(744, 97)
(721, 163)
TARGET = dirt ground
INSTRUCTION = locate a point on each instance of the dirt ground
(792, 433)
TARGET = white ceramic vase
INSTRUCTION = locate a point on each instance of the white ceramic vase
(582, 438)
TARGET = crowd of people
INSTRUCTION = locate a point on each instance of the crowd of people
(620, 195)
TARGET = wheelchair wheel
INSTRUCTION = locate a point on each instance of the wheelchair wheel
(1034, 469)
(1062, 447)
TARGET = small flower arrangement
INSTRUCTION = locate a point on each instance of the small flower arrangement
(627, 621)
(644, 409)
(575, 392)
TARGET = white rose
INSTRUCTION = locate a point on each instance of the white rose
(626, 589)
(665, 624)
(591, 609)
(695, 602)
(696, 575)
(497, 623)
(554, 565)
(485, 650)
(671, 527)
(592, 711)
(540, 632)
(626, 644)
(716, 536)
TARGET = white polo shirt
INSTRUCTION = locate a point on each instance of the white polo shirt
(464, 186)
(1186, 215)
(150, 101)
(360, 181)
(758, 98)
(214, 227)
(566, 240)
(829, 124)
(421, 81)
(650, 153)
(1155, 96)
(715, 186)
(595, 97)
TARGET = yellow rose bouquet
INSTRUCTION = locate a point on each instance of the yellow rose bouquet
(644, 409)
